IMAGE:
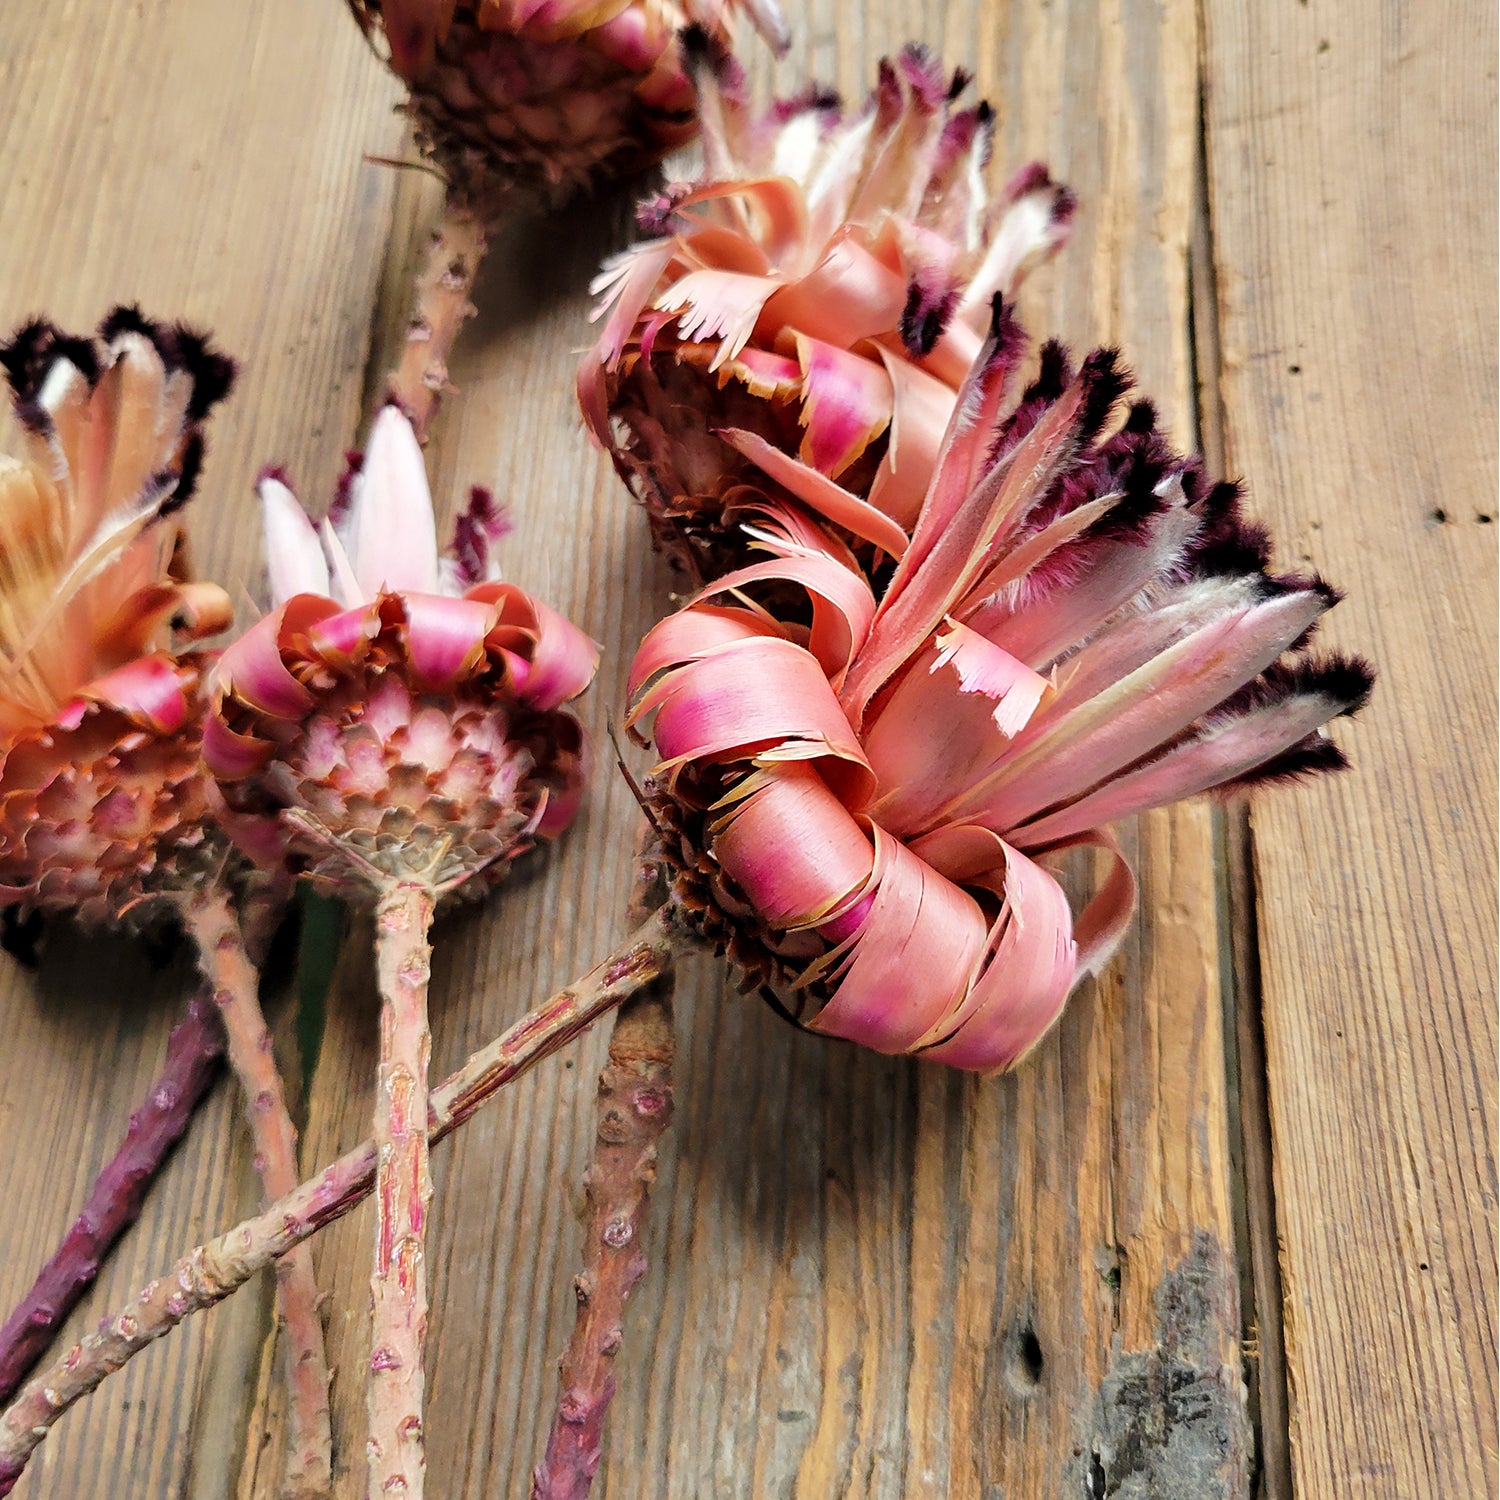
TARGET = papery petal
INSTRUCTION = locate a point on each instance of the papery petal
(392, 541)
(690, 634)
(912, 960)
(820, 493)
(1025, 982)
(150, 688)
(444, 637)
(846, 405)
(294, 558)
(793, 848)
(230, 756)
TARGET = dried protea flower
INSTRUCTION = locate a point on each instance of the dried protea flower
(104, 807)
(397, 716)
(860, 798)
(396, 723)
(806, 311)
(101, 802)
(523, 99)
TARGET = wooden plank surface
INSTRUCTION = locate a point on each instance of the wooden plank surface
(869, 1278)
(1352, 169)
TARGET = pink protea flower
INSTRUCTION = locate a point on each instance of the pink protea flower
(101, 802)
(860, 797)
(398, 714)
(395, 726)
(533, 98)
(801, 319)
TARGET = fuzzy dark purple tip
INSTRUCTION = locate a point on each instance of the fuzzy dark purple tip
(1104, 381)
(343, 494)
(1317, 755)
(929, 306)
(212, 373)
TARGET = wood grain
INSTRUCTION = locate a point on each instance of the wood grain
(1352, 170)
(869, 1278)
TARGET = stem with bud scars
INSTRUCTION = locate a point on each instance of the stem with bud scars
(211, 1272)
(403, 1193)
(634, 1111)
(210, 917)
(441, 308)
(194, 1051)
(635, 1108)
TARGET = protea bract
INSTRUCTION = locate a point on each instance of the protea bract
(803, 314)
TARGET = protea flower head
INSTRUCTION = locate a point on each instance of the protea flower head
(801, 318)
(530, 99)
(101, 800)
(397, 716)
(861, 798)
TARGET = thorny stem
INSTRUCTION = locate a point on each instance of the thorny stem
(194, 1050)
(635, 1108)
(440, 309)
(213, 923)
(211, 1272)
(403, 1192)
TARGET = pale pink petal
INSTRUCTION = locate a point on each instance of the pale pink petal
(848, 296)
(717, 307)
(253, 669)
(1025, 982)
(148, 688)
(689, 634)
(343, 585)
(921, 408)
(392, 539)
(294, 559)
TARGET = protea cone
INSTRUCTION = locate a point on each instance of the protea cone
(101, 802)
(530, 99)
(861, 797)
(395, 724)
(801, 318)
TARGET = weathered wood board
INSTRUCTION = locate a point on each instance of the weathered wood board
(869, 1278)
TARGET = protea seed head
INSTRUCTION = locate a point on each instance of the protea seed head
(102, 803)
(800, 319)
(530, 99)
(861, 790)
(397, 717)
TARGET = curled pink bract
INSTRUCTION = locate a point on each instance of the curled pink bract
(863, 799)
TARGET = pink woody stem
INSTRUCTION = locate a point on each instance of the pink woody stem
(441, 308)
(194, 1050)
(403, 1191)
(211, 1272)
(212, 920)
(635, 1108)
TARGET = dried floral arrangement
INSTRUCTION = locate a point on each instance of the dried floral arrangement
(957, 607)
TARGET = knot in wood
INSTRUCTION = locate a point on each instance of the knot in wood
(573, 1408)
(614, 1128)
(583, 1288)
(383, 1357)
(618, 1233)
(611, 1342)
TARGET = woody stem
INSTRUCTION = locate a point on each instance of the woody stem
(194, 1050)
(441, 307)
(634, 1110)
(210, 917)
(213, 1271)
(403, 1191)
